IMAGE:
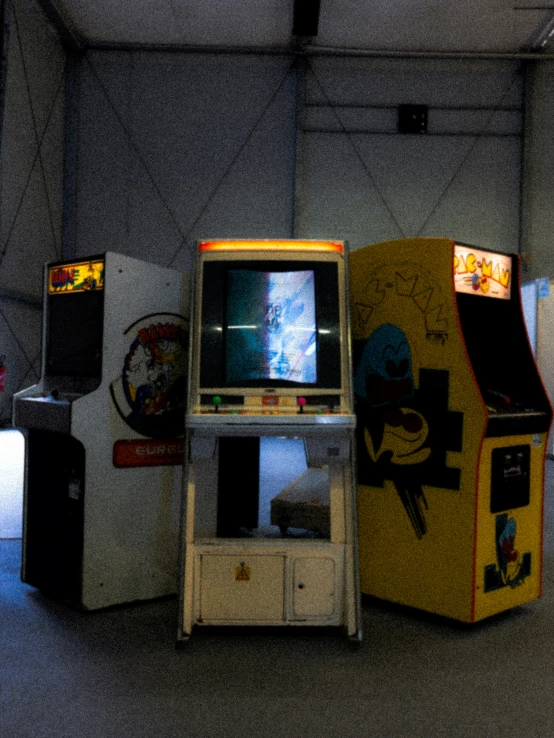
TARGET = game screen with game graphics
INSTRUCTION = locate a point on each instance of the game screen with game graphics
(270, 323)
(270, 329)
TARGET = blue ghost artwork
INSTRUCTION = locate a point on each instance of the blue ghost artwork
(394, 433)
(384, 374)
(405, 429)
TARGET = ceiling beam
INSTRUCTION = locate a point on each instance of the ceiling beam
(321, 51)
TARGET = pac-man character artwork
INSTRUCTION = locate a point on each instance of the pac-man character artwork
(405, 428)
(512, 566)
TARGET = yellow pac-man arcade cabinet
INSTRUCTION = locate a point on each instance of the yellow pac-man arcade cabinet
(452, 426)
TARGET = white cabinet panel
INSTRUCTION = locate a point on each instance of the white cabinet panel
(314, 586)
(238, 587)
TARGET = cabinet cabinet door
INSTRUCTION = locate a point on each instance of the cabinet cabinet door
(242, 588)
(314, 587)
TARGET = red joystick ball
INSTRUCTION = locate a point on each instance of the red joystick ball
(301, 401)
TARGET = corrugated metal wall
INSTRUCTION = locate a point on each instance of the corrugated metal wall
(165, 148)
(31, 177)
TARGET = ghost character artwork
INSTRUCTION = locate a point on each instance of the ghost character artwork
(394, 433)
(512, 567)
(404, 431)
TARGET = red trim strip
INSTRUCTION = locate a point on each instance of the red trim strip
(129, 454)
(486, 414)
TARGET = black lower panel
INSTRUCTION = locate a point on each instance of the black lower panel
(238, 485)
(510, 477)
(53, 526)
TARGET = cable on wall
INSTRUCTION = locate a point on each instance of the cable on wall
(38, 138)
(185, 235)
(246, 141)
(31, 369)
(17, 37)
(360, 158)
(471, 149)
(28, 180)
(135, 148)
(30, 363)
(20, 345)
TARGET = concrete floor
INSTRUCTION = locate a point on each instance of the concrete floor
(66, 674)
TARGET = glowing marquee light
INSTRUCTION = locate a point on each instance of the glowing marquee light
(80, 276)
(271, 245)
(485, 273)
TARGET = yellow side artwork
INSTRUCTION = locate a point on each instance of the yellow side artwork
(420, 426)
(509, 542)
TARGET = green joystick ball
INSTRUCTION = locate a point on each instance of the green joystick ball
(216, 400)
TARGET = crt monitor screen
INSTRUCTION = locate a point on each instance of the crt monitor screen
(270, 324)
(74, 335)
(75, 315)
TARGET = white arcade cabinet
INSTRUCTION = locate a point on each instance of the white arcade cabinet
(104, 433)
(537, 299)
(270, 356)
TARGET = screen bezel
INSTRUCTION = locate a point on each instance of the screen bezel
(90, 305)
(213, 300)
(270, 330)
(88, 301)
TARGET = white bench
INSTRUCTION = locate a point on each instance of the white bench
(304, 503)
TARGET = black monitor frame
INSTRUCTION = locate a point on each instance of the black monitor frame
(213, 320)
(70, 316)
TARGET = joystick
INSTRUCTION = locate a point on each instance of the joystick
(301, 401)
(216, 401)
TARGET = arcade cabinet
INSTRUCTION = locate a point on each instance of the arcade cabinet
(538, 308)
(270, 357)
(452, 426)
(104, 433)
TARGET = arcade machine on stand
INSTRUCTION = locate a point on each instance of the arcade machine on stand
(104, 433)
(270, 357)
(452, 426)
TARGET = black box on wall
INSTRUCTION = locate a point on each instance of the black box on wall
(412, 118)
